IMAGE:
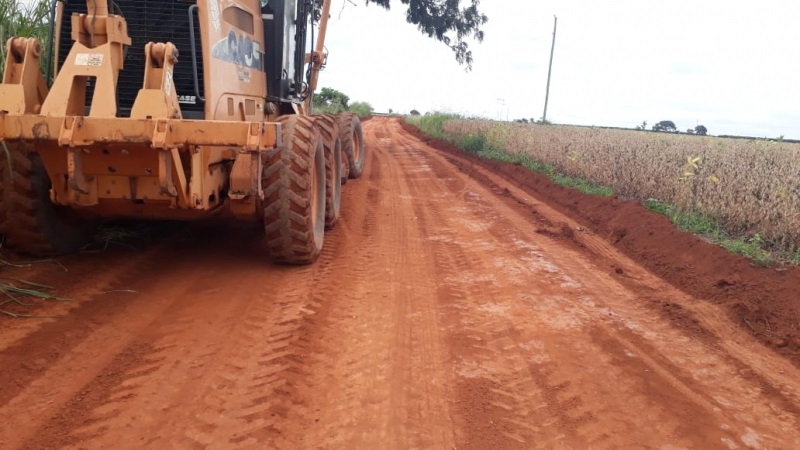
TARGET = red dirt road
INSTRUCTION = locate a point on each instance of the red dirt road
(450, 309)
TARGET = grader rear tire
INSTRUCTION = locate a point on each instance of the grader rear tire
(294, 193)
(345, 167)
(31, 223)
(333, 168)
(352, 138)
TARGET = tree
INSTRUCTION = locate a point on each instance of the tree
(440, 19)
(643, 126)
(330, 100)
(362, 109)
(701, 130)
(414, 112)
(665, 125)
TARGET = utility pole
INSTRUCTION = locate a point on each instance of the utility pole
(501, 102)
(549, 69)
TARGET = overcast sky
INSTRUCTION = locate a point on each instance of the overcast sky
(731, 66)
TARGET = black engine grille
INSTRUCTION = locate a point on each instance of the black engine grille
(148, 21)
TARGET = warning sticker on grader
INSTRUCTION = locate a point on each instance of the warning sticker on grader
(89, 59)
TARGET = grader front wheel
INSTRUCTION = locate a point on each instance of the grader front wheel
(29, 221)
(329, 128)
(294, 193)
(352, 138)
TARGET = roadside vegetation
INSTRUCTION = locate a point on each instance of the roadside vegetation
(331, 101)
(743, 195)
(23, 19)
(485, 146)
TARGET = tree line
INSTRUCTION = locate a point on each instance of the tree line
(668, 126)
(331, 101)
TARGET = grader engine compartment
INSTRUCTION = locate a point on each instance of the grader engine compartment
(150, 21)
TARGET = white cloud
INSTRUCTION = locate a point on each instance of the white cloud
(728, 65)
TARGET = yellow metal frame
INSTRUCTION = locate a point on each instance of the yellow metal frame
(153, 164)
(318, 57)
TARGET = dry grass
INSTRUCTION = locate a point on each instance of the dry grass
(752, 188)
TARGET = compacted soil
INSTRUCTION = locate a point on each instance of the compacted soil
(458, 303)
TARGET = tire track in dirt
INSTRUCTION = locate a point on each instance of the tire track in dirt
(448, 310)
(121, 351)
(42, 343)
(620, 344)
(759, 300)
(656, 294)
(253, 388)
(255, 403)
(227, 386)
(504, 393)
(570, 233)
(383, 387)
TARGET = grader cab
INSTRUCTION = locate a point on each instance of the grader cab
(172, 110)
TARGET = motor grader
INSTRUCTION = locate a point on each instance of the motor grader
(172, 110)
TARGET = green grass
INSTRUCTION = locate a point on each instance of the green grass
(752, 247)
(691, 221)
(328, 109)
(478, 144)
(431, 124)
(11, 293)
(582, 185)
(362, 109)
(794, 258)
(535, 166)
(474, 144)
(24, 19)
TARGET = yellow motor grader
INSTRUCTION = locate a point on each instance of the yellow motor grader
(172, 110)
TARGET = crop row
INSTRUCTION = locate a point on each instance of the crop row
(751, 188)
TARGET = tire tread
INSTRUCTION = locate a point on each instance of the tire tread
(288, 215)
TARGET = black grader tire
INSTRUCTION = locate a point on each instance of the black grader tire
(30, 223)
(352, 137)
(294, 193)
(345, 167)
(329, 128)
